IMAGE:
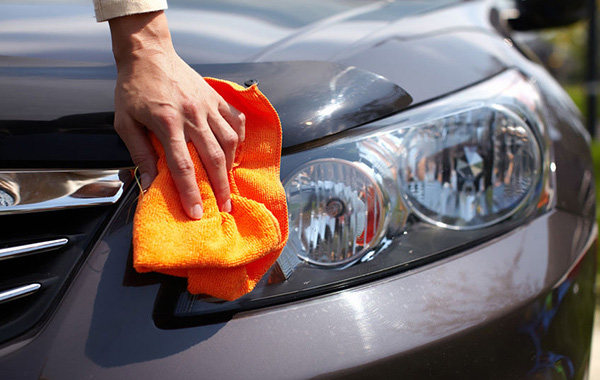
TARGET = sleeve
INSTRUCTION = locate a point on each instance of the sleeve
(107, 9)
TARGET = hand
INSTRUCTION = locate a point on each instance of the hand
(157, 91)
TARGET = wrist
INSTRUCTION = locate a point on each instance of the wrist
(139, 36)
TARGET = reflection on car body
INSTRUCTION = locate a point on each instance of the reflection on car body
(439, 185)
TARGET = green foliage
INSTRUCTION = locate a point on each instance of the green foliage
(569, 51)
(596, 159)
(577, 93)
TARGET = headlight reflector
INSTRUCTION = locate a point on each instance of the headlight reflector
(471, 169)
(335, 212)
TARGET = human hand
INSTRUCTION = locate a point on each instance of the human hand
(157, 91)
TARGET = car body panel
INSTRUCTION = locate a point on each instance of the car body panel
(509, 290)
(518, 306)
(333, 97)
(72, 89)
(203, 31)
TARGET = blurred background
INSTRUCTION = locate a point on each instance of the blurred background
(570, 53)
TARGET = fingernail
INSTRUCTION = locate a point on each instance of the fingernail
(146, 182)
(197, 211)
(227, 206)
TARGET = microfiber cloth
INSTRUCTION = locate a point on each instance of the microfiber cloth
(222, 254)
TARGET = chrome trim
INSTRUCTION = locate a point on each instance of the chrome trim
(19, 292)
(46, 190)
(26, 249)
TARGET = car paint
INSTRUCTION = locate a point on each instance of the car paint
(41, 85)
(496, 311)
(205, 31)
(490, 312)
(334, 98)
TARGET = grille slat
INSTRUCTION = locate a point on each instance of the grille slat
(33, 248)
(21, 291)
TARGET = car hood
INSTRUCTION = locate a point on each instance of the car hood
(205, 31)
(57, 72)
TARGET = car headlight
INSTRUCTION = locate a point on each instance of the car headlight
(404, 191)
(470, 169)
(336, 211)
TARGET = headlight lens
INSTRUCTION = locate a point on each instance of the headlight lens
(335, 211)
(404, 191)
(471, 169)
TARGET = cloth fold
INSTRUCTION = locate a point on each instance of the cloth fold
(223, 254)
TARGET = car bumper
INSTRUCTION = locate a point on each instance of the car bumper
(517, 307)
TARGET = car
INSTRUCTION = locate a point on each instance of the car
(439, 185)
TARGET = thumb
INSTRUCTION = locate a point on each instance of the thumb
(135, 137)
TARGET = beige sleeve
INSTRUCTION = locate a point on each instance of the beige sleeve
(107, 9)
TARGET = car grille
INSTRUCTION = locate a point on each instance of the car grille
(40, 252)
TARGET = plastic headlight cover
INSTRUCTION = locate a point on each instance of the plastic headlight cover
(335, 210)
(471, 169)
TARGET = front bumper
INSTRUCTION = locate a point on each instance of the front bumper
(517, 307)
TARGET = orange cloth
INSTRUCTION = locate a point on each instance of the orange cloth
(223, 254)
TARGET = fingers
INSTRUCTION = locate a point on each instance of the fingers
(235, 119)
(182, 171)
(214, 160)
(135, 138)
(215, 130)
(227, 137)
(163, 94)
(172, 131)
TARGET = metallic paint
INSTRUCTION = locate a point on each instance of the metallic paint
(459, 313)
(517, 307)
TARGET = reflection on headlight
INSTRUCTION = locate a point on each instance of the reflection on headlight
(471, 169)
(335, 212)
(468, 164)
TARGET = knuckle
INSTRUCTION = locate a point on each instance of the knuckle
(242, 119)
(223, 106)
(217, 159)
(201, 128)
(167, 118)
(189, 192)
(222, 190)
(139, 159)
(189, 107)
(231, 140)
(182, 168)
(119, 127)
